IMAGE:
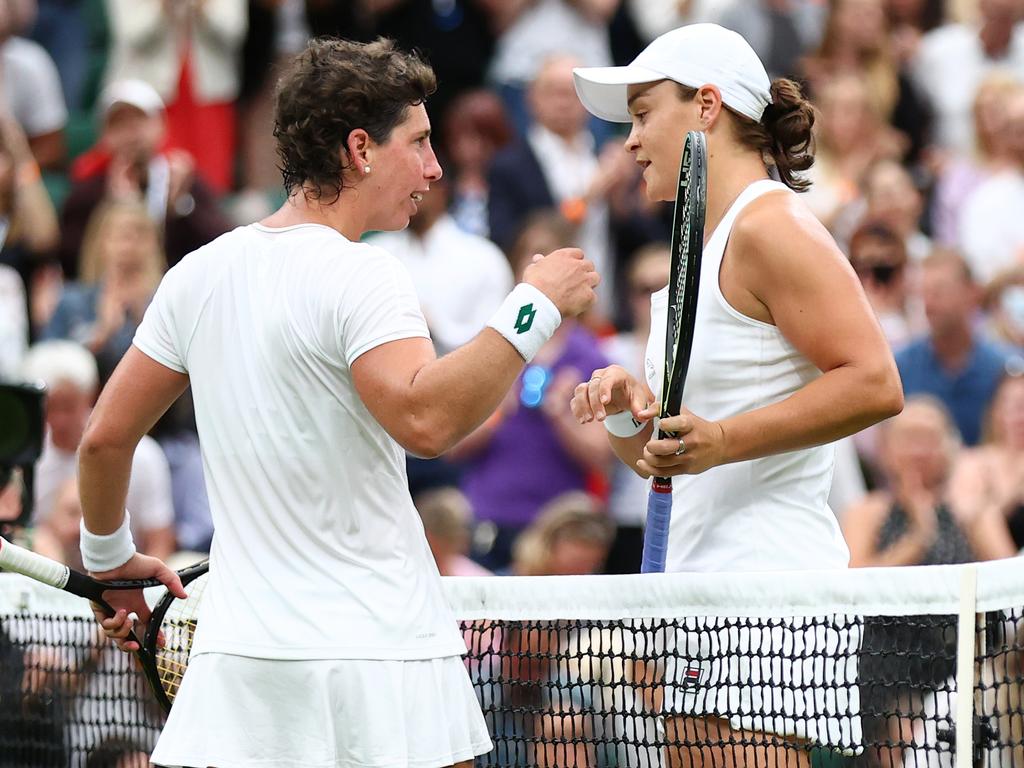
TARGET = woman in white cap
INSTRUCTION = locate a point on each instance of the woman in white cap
(787, 358)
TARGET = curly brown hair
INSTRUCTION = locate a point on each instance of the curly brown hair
(332, 88)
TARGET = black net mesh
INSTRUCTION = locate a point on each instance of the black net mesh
(830, 690)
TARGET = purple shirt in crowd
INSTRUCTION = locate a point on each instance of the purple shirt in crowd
(524, 466)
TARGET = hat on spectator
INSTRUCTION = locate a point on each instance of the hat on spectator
(694, 55)
(134, 93)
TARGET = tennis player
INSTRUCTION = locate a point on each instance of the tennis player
(787, 356)
(324, 637)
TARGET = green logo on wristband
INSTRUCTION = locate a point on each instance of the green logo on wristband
(525, 320)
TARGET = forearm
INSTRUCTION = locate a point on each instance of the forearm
(839, 403)
(453, 395)
(103, 472)
(630, 450)
(35, 216)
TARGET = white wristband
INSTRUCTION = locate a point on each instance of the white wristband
(527, 318)
(108, 551)
(623, 424)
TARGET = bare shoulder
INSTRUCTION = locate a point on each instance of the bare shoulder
(779, 224)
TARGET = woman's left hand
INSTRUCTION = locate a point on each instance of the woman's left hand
(697, 446)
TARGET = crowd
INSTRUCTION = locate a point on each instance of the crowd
(132, 133)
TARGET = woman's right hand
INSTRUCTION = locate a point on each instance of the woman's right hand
(608, 391)
(565, 277)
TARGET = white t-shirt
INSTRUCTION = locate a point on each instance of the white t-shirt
(149, 497)
(13, 322)
(767, 514)
(991, 226)
(318, 552)
(461, 278)
(31, 87)
(949, 66)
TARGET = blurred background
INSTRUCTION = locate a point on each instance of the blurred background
(134, 131)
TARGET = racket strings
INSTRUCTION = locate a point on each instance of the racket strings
(179, 628)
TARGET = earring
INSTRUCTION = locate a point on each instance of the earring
(366, 169)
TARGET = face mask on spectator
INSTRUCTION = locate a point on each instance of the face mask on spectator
(1012, 303)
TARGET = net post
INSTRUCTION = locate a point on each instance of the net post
(966, 631)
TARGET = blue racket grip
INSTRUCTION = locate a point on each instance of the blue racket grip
(659, 515)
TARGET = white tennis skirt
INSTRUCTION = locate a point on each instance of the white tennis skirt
(790, 677)
(238, 712)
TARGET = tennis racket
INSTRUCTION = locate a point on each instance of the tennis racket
(687, 247)
(164, 650)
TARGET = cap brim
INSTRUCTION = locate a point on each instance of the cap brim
(603, 89)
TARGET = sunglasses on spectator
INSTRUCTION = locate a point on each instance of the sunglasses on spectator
(883, 274)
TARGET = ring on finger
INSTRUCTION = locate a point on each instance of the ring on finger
(682, 447)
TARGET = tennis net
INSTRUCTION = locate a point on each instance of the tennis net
(815, 669)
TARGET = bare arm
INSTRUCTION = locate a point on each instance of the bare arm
(791, 272)
(815, 300)
(427, 403)
(137, 394)
(861, 525)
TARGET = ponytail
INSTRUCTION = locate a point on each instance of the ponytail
(784, 133)
(789, 121)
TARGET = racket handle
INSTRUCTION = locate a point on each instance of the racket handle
(20, 560)
(659, 515)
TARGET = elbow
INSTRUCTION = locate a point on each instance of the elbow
(885, 389)
(427, 440)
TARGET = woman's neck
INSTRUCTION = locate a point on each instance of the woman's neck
(730, 171)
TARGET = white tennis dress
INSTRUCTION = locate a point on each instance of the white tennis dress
(324, 638)
(768, 514)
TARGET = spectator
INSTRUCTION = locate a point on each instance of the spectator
(648, 272)
(654, 18)
(447, 519)
(850, 135)
(1003, 303)
(71, 379)
(456, 36)
(13, 322)
(993, 144)
(475, 127)
(779, 31)
(130, 162)
(30, 89)
(991, 228)
(62, 28)
(912, 523)
(121, 266)
(952, 61)
(878, 255)
(189, 53)
(556, 165)
(989, 483)
(57, 537)
(533, 32)
(532, 449)
(118, 753)
(176, 433)
(570, 536)
(952, 361)
(460, 278)
(28, 231)
(892, 197)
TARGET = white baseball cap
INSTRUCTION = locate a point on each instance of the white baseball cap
(134, 93)
(694, 55)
